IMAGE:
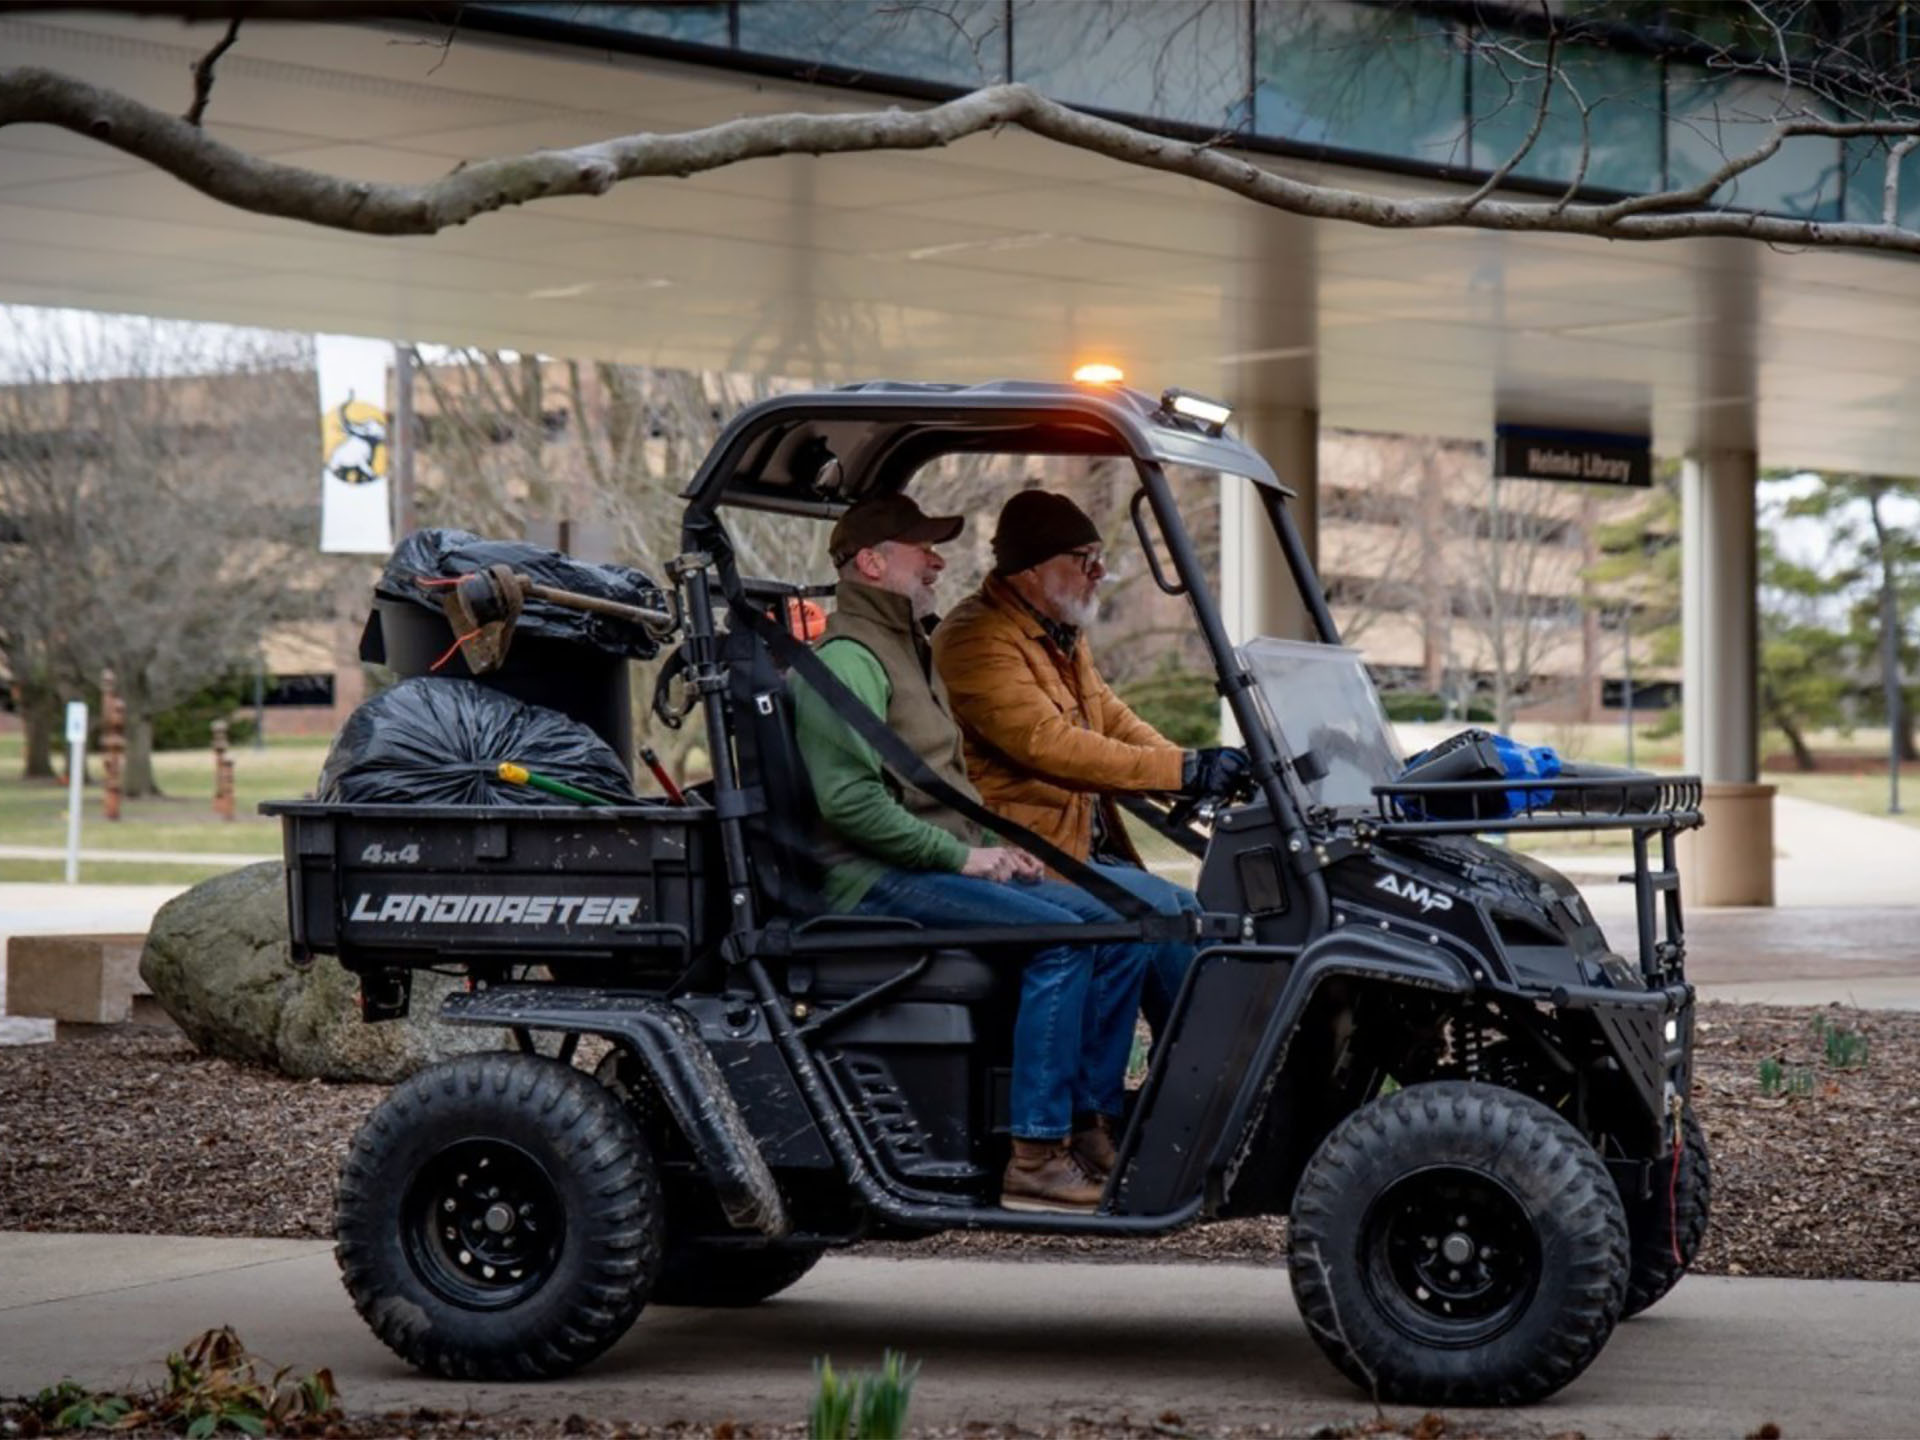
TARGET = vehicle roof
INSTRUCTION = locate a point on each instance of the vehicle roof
(774, 455)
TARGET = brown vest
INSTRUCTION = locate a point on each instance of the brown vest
(917, 709)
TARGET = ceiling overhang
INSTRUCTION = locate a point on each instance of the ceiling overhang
(1003, 256)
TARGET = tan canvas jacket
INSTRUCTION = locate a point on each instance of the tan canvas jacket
(1045, 735)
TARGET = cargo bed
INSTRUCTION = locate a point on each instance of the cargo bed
(408, 886)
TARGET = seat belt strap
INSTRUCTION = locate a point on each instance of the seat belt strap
(899, 757)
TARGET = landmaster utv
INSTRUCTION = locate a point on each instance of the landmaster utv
(1414, 1043)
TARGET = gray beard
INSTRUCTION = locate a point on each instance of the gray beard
(1071, 610)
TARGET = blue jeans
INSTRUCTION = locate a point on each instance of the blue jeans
(1077, 1002)
(1171, 960)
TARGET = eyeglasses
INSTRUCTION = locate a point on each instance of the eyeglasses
(1091, 560)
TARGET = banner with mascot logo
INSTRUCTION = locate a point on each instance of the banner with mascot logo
(355, 509)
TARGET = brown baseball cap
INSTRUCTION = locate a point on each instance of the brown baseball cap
(880, 518)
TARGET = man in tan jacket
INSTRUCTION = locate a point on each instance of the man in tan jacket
(1048, 743)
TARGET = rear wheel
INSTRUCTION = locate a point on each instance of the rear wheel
(498, 1217)
(1455, 1243)
(1668, 1226)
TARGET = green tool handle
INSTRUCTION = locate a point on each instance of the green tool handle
(519, 775)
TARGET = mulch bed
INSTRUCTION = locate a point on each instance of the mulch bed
(20, 1420)
(127, 1130)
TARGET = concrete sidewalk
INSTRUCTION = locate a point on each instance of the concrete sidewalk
(1824, 857)
(1033, 1343)
(146, 857)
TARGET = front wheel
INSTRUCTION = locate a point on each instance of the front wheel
(1668, 1225)
(498, 1218)
(1455, 1243)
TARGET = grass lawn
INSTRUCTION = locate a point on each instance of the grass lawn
(179, 821)
(1866, 794)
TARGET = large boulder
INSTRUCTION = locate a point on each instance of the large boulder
(217, 959)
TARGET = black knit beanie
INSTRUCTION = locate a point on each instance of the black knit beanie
(1035, 526)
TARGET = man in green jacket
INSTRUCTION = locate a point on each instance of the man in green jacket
(890, 849)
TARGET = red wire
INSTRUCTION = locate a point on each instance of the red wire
(453, 649)
(1673, 1197)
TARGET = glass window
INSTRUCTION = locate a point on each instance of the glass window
(959, 42)
(1607, 101)
(1180, 60)
(696, 24)
(1320, 701)
(1360, 77)
(1713, 118)
(1866, 176)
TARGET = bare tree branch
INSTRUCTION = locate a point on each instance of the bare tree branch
(33, 95)
(1890, 198)
(1498, 177)
(203, 73)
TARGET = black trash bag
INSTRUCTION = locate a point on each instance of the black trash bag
(429, 741)
(443, 554)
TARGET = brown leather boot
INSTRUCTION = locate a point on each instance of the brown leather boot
(1043, 1175)
(1092, 1146)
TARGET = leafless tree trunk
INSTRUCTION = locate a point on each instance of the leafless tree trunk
(159, 481)
(39, 720)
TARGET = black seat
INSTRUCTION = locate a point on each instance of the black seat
(780, 826)
(954, 977)
(781, 816)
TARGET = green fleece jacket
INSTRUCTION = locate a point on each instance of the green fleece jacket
(873, 827)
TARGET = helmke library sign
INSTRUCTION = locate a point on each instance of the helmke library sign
(1525, 452)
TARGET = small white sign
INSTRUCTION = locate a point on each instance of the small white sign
(76, 777)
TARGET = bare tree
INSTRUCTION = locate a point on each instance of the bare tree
(1776, 72)
(1383, 536)
(158, 484)
(1515, 567)
(595, 454)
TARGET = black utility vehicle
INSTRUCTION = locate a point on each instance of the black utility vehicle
(1414, 1042)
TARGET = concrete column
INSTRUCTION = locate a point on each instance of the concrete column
(1730, 861)
(1258, 595)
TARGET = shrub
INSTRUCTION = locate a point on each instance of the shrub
(189, 725)
(1181, 704)
(1425, 706)
(214, 1384)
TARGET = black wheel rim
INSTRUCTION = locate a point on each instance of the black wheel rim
(484, 1224)
(1451, 1256)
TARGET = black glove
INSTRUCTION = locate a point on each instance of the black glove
(1213, 773)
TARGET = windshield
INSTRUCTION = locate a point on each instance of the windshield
(1319, 699)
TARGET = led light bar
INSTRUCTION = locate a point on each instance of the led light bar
(1099, 374)
(1210, 413)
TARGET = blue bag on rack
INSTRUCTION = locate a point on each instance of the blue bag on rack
(1480, 755)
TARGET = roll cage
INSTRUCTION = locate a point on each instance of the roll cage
(815, 454)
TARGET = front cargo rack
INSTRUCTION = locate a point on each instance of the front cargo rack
(1645, 806)
(1464, 807)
